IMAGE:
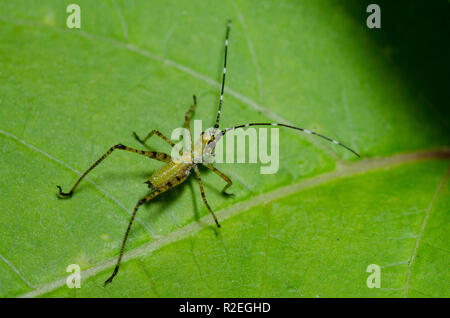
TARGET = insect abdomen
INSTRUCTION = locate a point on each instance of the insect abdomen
(169, 175)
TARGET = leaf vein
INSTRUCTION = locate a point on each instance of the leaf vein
(342, 171)
(422, 230)
(62, 163)
(15, 270)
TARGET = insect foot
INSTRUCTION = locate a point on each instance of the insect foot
(63, 195)
(110, 279)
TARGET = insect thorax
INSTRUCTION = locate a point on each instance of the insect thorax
(204, 148)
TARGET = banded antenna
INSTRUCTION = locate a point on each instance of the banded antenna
(223, 75)
(292, 127)
(223, 132)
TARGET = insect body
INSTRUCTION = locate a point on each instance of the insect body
(177, 171)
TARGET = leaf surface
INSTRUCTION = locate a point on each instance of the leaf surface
(309, 230)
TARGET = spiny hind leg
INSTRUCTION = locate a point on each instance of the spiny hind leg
(224, 177)
(124, 241)
(160, 156)
(202, 191)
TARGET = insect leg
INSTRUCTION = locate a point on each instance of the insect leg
(223, 176)
(140, 202)
(188, 114)
(187, 118)
(197, 172)
(151, 154)
(153, 132)
(160, 156)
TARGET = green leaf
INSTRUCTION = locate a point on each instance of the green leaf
(310, 230)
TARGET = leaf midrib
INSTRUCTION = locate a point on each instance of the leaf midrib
(342, 171)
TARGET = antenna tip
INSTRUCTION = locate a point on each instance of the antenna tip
(355, 153)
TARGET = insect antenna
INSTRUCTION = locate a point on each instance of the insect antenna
(223, 132)
(223, 76)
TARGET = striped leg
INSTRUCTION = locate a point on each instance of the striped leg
(202, 191)
(160, 156)
(187, 118)
(153, 132)
(188, 114)
(140, 202)
(223, 176)
(159, 134)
